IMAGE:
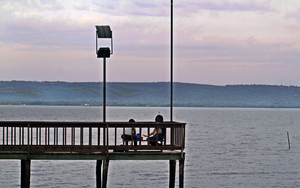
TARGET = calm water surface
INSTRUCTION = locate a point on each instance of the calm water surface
(225, 147)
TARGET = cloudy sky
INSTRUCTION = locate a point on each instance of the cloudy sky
(216, 42)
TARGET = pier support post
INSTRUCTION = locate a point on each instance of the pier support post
(25, 173)
(105, 173)
(172, 173)
(181, 172)
(98, 173)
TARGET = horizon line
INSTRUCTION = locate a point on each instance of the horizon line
(152, 82)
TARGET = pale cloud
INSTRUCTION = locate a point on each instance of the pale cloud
(293, 15)
(233, 5)
(230, 37)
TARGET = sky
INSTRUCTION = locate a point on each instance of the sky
(218, 42)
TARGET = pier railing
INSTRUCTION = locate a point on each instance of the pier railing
(35, 137)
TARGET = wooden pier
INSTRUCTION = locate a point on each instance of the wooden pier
(100, 141)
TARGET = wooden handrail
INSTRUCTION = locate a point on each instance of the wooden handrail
(65, 136)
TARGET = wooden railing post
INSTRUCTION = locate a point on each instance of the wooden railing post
(36, 135)
(90, 136)
(73, 136)
(54, 135)
(20, 136)
(40, 136)
(182, 140)
(99, 135)
(107, 146)
(28, 152)
(23, 136)
(81, 136)
(172, 135)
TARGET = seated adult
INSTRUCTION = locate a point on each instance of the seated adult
(130, 133)
(159, 133)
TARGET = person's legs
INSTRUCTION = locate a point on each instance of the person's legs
(152, 137)
(135, 140)
(160, 137)
(128, 138)
(152, 143)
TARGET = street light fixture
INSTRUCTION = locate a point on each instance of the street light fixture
(104, 32)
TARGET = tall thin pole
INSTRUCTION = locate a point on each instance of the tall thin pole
(104, 89)
(171, 102)
(104, 96)
(288, 137)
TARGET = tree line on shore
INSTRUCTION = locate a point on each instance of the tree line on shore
(148, 94)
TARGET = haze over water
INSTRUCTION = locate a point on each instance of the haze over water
(225, 147)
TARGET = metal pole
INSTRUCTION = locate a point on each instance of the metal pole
(104, 89)
(96, 42)
(171, 102)
(104, 96)
(288, 137)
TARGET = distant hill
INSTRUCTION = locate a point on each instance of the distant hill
(148, 94)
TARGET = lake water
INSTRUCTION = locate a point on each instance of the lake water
(225, 147)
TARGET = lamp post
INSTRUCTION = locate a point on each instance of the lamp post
(104, 32)
(171, 71)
